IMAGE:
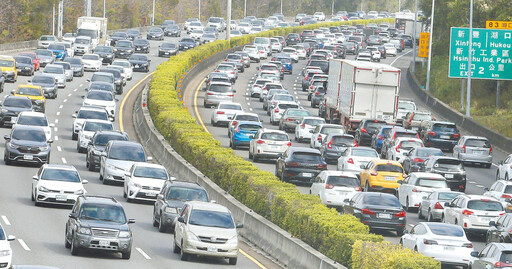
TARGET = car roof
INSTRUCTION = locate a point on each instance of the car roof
(146, 164)
(98, 199)
(425, 174)
(381, 161)
(480, 197)
(338, 173)
(60, 166)
(475, 137)
(303, 149)
(207, 206)
(32, 114)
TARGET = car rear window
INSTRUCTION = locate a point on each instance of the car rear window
(219, 88)
(427, 152)
(286, 106)
(247, 118)
(332, 130)
(314, 122)
(342, 181)
(410, 144)
(275, 137)
(506, 257)
(508, 189)
(389, 168)
(404, 134)
(373, 125)
(249, 127)
(307, 157)
(343, 140)
(431, 183)
(477, 143)
(230, 106)
(421, 116)
(485, 205)
(448, 164)
(381, 200)
(445, 230)
(443, 127)
(364, 153)
(299, 112)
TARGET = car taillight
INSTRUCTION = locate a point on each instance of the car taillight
(418, 160)
(220, 112)
(364, 130)
(490, 150)
(319, 138)
(456, 135)
(329, 145)
(355, 143)
(414, 190)
(367, 211)
(289, 144)
(467, 212)
(233, 73)
(359, 188)
(400, 214)
(374, 173)
(317, 93)
(260, 141)
(288, 119)
(292, 164)
(506, 196)
(234, 122)
(398, 148)
(210, 93)
(438, 206)
(464, 149)
(303, 125)
(237, 130)
(276, 110)
(350, 160)
(329, 186)
(380, 137)
(230, 95)
(432, 133)
(429, 242)
(501, 264)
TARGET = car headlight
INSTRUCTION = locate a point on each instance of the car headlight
(43, 189)
(172, 210)
(4, 110)
(137, 185)
(125, 234)
(43, 148)
(14, 146)
(192, 237)
(4, 253)
(233, 240)
(84, 231)
(80, 192)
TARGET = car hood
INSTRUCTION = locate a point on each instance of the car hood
(98, 103)
(124, 165)
(123, 49)
(175, 203)
(61, 185)
(56, 75)
(23, 65)
(138, 62)
(45, 58)
(167, 49)
(16, 109)
(187, 43)
(212, 231)
(91, 61)
(5, 245)
(151, 182)
(99, 148)
(104, 224)
(44, 85)
(27, 143)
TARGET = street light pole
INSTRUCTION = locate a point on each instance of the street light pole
(104, 8)
(399, 5)
(332, 8)
(414, 38)
(153, 17)
(53, 21)
(468, 93)
(281, 6)
(60, 18)
(427, 87)
(228, 30)
(199, 15)
(245, 8)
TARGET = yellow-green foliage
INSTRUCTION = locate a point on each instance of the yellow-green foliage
(302, 215)
(384, 255)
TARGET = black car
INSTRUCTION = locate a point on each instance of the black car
(2, 81)
(12, 106)
(117, 36)
(155, 33)
(76, 65)
(171, 199)
(124, 49)
(141, 45)
(382, 51)
(97, 146)
(306, 34)
(299, 164)
(500, 230)
(140, 62)
(167, 23)
(99, 223)
(415, 157)
(338, 51)
(334, 145)
(133, 34)
(351, 47)
(47, 83)
(187, 43)
(118, 79)
(323, 64)
(27, 144)
(377, 210)
(167, 49)
(172, 30)
(367, 128)
(292, 39)
(450, 168)
(443, 135)
(101, 86)
(24, 65)
(106, 54)
(407, 40)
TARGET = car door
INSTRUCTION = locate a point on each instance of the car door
(449, 211)
(403, 189)
(409, 239)
(502, 228)
(180, 226)
(35, 180)
(425, 203)
(480, 262)
(363, 175)
(457, 211)
(505, 168)
(315, 185)
(457, 147)
(71, 223)
(160, 200)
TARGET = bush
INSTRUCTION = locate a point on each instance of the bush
(302, 215)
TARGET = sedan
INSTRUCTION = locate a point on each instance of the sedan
(291, 118)
(102, 99)
(144, 181)
(24, 65)
(141, 45)
(92, 62)
(334, 145)
(352, 159)
(299, 164)
(413, 160)
(187, 43)
(57, 184)
(89, 128)
(128, 69)
(47, 83)
(333, 187)
(106, 53)
(140, 62)
(416, 186)
(432, 206)
(167, 49)
(268, 144)
(97, 146)
(58, 73)
(27, 144)
(155, 33)
(12, 106)
(402, 145)
(224, 112)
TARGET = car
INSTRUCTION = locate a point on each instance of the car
(241, 116)
(299, 164)
(57, 184)
(124, 49)
(24, 65)
(353, 158)
(270, 89)
(304, 129)
(45, 57)
(377, 210)
(272, 101)
(472, 212)
(101, 99)
(67, 70)
(118, 36)
(379, 137)
(237, 59)
(253, 53)
(366, 130)
(133, 34)
(5, 248)
(172, 30)
(58, 72)
(216, 77)
(167, 23)
(415, 186)
(27, 144)
(494, 255)
(144, 181)
(45, 41)
(12, 106)
(82, 45)
(381, 175)
(474, 150)
(155, 33)
(500, 230)
(92, 62)
(115, 69)
(196, 34)
(141, 45)
(29, 118)
(190, 21)
(321, 131)
(171, 199)
(97, 145)
(87, 131)
(117, 75)
(87, 112)
(413, 159)
(223, 113)
(391, 49)
(197, 25)
(256, 89)
(292, 53)
(445, 243)
(218, 92)
(106, 54)
(268, 144)
(432, 206)
(34, 92)
(502, 191)
(450, 168)
(76, 65)
(117, 159)
(8, 67)
(35, 59)
(140, 62)
(333, 187)
(334, 145)
(319, 16)
(365, 55)
(397, 132)
(166, 49)
(402, 145)
(186, 43)
(413, 119)
(211, 222)
(96, 220)
(105, 77)
(58, 50)
(279, 107)
(291, 117)
(229, 70)
(125, 64)
(308, 76)
(243, 133)
(405, 107)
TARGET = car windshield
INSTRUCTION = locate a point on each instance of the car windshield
(91, 57)
(431, 183)
(485, 205)
(359, 152)
(219, 88)
(124, 44)
(445, 230)
(406, 106)
(73, 61)
(477, 143)
(127, 153)
(29, 135)
(381, 200)
(66, 66)
(56, 47)
(421, 116)
(32, 120)
(307, 157)
(188, 40)
(28, 91)
(138, 58)
(119, 34)
(98, 126)
(60, 175)
(123, 64)
(249, 127)
(247, 118)
(102, 140)
(275, 136)
(444, 128)
(103, 212)
(230, 106)
(187, 194)
(389, 168)
(374, 125)
(211, 219)
(47, 38)
(150, 172)
(314, 122)
(298, 113)
(101, 86)
(23, 60)
(342, 181)
(82, 41)
(140, 42)
(100, 95)
(103, 49)
(91, 114)
(168, 46)
(53, 70)
(18, 102)
(41, 53)
(133, 32)
(342, 140)
(332, 130)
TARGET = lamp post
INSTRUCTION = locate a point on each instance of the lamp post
(427, 87)
(153, 16)
(468, 93)
(414, 38)
(199, 13)
(228, 30)
(104, 8)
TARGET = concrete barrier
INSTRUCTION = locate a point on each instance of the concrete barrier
(463, 122)
(18, 46)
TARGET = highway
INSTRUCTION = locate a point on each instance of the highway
(477, 178)
(40, 230)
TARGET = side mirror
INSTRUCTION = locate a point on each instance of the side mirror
(11, 238)
(486, 189)
(239, 225)
(160, 197)
(13, 91)
(446, 204)
(346, 200)
(85, 181)
(475, 254)
(73, 215)
(73, 116)
(50, 141)
(88, 80)
(508, 200)
(492, 223)
(35, 178)
(83, 96)
(406, 231)
(399, 181)
(181, 219)
(500, 162)
(362, 166)
(7, 137)
(90, 143)
(424, 198)
(51, 125)
(130, 221)
(280, 155)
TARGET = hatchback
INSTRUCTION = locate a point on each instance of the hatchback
(57, 184)
(144, 181)
(243, 133)
(333, 187)
(299, 164)
(268, 144)
(218, 92)
(117, 159)
(416, 186)
(334, 145)
(474, 149)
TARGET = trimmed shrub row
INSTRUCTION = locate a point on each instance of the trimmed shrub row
(304, 216)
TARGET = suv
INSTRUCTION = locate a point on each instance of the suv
(97, 145)
(117, 159)
(474, 149)
(366, 130)
(443, 135)
(472, 212)
(170, 201)
(299, 164)
(206, 229)
(98, 222)
(493, 254)
(451, 168)
(413, 119)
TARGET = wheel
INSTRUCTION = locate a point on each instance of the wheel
(407, 208)
(127, 255)
(90, 166)
(32, 197)
(255, 158)
(155, 223)
(124, 194)
(232, 261)
(36, 203)
(74, 249)
(176, 249)
(161, 227)
(66, 243)
(183, 255)
(400, 232)
(367, 187)
(430, 218)
(488, 165)
(420, 215)
(250, 155)
(74, 136)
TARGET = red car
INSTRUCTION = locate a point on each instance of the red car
(35, 59)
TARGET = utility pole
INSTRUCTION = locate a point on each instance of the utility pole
(60, 19)
(498, 92)
(228, 30)
(153, 16)
(462, 86)
(104, 8)
(415, 34)
(281, 6)
(468, 94)
(245, 8)
(88, 8)
(199, 15)
(399, 5)
(53, 21)
(427, 88)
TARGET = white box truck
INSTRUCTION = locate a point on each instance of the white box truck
(93, 27)
(361, 90)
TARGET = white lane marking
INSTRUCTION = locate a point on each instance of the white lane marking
(472, 182)
(246, 98)
(81, 85)
(59, 148)
(249, 104)
(55, 129)
(70, 94)
(23, 245)
(6, 221)
(63, 160)
(65, 100)
(250, 108)
(56, 121)
(296, 80)
(75, 90)
(56, 138)
(58, 113)
(396, 59)
(480, 186)
(410, 224)
(61, 106)
(146, 256)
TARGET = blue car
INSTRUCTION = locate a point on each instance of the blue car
(379, 137)
(59, 50)
(244, 132)
(187, 43)
(286, 62)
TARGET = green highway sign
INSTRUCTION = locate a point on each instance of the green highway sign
(491, 51)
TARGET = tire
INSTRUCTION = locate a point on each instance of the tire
(488, 165)
(430, 218)
(399, 232)
(74, 249)
(74, 136)
(126, 255)
(183, 255)
(161, 227)
(32, 197)
(255, 158)
(407, 208)
(176, 249)
(90, 166)
(420, 215)
(124, 194)
(250, 155)
(66, 243)
(232, 261)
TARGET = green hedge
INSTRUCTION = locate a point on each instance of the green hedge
(304, 216)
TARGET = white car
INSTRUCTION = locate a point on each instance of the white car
(241, 116)
(268, 144)
(276, 44)
(320, 16)
(404, 107)
(321, 131)
(196, 34)
(432, 207)
(89, 128)
(92, 62)
(340, 37)
(390, 49)
(253, 53)
(353, 158)
(244, 27)
(416, 186)
(57, 184)
(69, 37)
(334, 187)
(30, 118)
(45, 41)
(444, 242)
(58, 73)
(304, 130)
(86, 113)
(194, 26)
(504, 169)
(103, 99)
(5, 248)
(189, 21)
(257, 87)
(500, 190)
(82, 45)
(224, 112)
(472, 212)
(292, 52)
(401, 146)
(144, 181)
(279, 108)
(128, 70)
(301, 51)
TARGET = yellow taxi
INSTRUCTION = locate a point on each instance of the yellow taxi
(35, 93)
(8, 67)
(381, 175)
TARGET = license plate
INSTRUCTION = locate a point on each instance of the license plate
(444, 136)
(28, 157)
(61, 198)
(383, 216)
(151, 194)
(122, 53)
(485, 220)
(274, 147)
(154, 36)
(136, 65)
(137, 48)
(307, 174)
(390, 178)
(167, 53)
(448, 176)
(104, 243)
(212, 249)
(449, 248)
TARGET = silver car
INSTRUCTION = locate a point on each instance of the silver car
(118, 158)
(67, 70)
(432, 206)
(218, 92)
(45, 41)
(492, 255)
(229, 70)
(57, 72)
(474, 149)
